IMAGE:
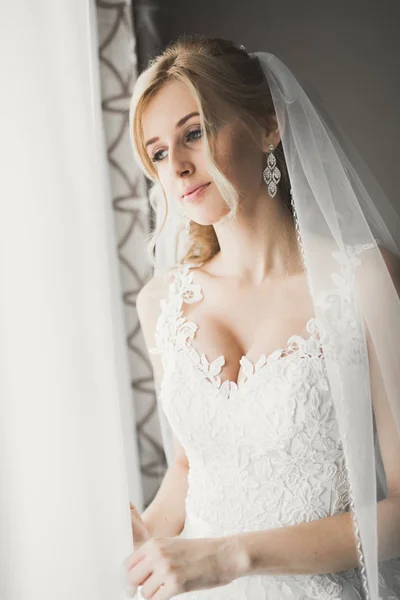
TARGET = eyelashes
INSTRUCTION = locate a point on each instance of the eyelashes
(191, 136)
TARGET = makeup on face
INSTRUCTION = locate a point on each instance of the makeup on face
(193, 195)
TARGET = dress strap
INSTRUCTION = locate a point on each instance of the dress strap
(181, 289)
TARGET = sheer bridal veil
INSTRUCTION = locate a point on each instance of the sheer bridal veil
(350, 239)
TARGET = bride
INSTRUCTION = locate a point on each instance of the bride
(256, 343)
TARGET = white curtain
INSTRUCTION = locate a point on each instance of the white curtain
(118, 73)
(67, 469)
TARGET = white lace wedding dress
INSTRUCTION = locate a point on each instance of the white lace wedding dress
(262, 455)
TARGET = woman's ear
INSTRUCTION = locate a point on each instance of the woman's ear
(272, 136)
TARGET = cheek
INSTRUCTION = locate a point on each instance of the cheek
(244, 168)
(166, 181)
(239, 160)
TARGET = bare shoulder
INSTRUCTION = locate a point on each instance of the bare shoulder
(149, 297)
(152, 291)
(392, 261)
(373, 268)
(148, 306)
(148, 303)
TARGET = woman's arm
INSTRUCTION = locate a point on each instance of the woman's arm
(328, 545)
(321, 546)
(166, 514)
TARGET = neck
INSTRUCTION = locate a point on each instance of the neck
(260, 242)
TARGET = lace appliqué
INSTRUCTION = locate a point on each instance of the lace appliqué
(173, 329)
(171, 326)
(345, 342)
(268, 457)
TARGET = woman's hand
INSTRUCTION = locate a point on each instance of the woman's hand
(165, 567)
(140, 532)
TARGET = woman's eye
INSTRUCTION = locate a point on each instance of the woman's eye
(156, 157)
(193, 135)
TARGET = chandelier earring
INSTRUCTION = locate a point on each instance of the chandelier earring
(271, 173)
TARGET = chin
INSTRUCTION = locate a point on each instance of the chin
(207, 221)
(209, 217)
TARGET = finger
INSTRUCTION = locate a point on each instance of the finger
(130, 591)
(139, 575)
(140, 534)
(152, 584)
(125, 585)
(165, 592)
(139, 529)
(133, 559)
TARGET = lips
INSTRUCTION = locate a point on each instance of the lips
(193, 188)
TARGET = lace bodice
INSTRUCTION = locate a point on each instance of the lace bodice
(264, 452)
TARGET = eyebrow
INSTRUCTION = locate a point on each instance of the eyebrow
(179, 124)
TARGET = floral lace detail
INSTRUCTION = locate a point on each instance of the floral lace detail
(270, 456)
(175, 330)
(303, 347)
(171, 325)
(339, 306)
(345, 344)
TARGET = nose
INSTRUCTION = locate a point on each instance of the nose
(180, 163)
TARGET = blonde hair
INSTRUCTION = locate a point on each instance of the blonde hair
(212, 69)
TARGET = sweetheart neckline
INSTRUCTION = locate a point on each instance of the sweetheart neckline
(228, 386)
(252, 368)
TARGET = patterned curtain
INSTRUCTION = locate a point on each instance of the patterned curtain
(119, 64)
